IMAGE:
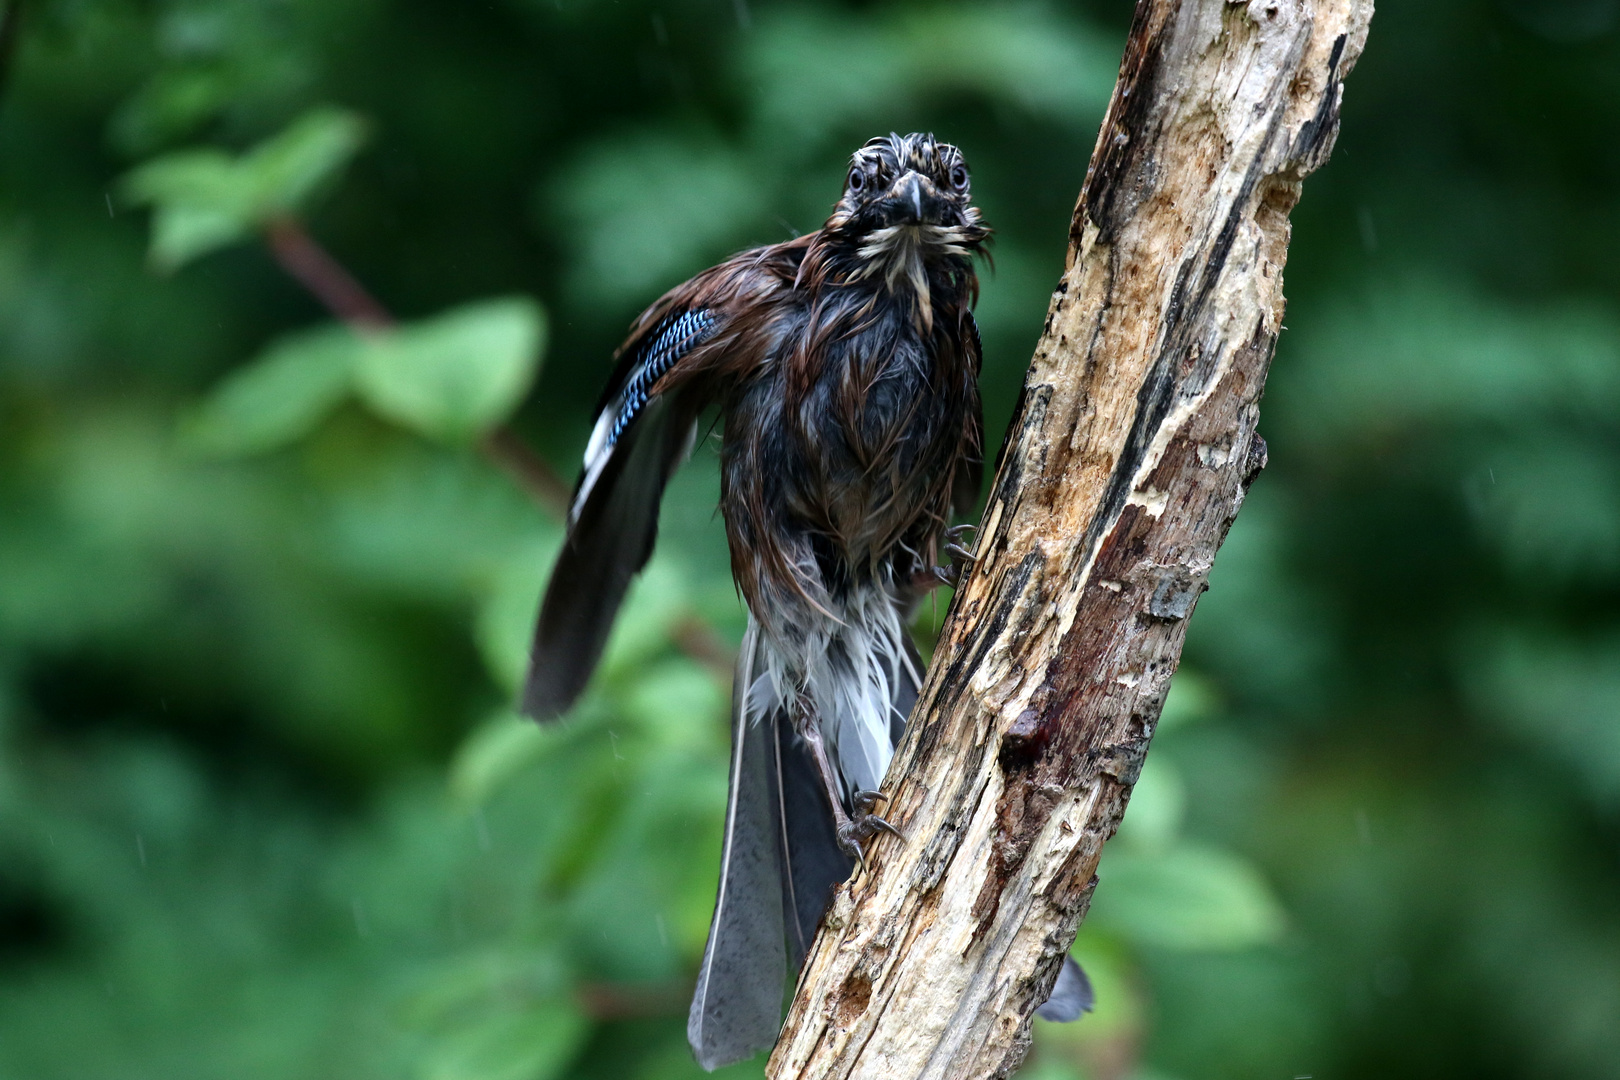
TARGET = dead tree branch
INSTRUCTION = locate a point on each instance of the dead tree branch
(1127, 460)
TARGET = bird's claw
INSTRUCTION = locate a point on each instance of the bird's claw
(865, 800)
(863, 825)
(961, 556)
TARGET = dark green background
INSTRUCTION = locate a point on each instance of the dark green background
(262, 813)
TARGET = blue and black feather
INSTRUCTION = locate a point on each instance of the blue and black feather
(677, 336)
(640, 438)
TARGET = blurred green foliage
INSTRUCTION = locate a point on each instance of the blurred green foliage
(264, 809)
(204, 199)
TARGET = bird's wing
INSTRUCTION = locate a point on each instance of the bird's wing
(644, 430)
(737, 1007)
(644, 361)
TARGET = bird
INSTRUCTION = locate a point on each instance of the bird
(844, 364)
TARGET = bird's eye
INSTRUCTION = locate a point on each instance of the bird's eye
(959, 177)
(857, 180)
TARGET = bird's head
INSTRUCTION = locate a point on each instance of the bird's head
(908, 193)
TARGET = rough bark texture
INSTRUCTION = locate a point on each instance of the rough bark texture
(1128, 458)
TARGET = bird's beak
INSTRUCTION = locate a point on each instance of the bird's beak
(908, 191)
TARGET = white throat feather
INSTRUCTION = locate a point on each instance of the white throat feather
(900, 253)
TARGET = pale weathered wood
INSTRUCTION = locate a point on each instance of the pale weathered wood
(1128, 457)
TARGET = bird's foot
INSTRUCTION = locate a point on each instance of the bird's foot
(960, 555)
(855, 829)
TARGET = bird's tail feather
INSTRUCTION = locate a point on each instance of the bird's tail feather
(737, 1006)
(1071, 995)
(812, 862)
(779, 864)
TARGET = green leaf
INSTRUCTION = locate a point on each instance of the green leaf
(646, 209)
(288, 170)
(496, 1015)
(456, 376)
(814, 75)
(451, 378)
(1158, 804)
(672, 700)
(532, 1044)
(201, 203)
(1186, 898)
(1192, 697)
(172, 104)
(497, 750)
(277, 398)
(204, 199)
(505, 625)
(657, 601)
(1559, 695)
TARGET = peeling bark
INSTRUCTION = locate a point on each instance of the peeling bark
(1130, 452)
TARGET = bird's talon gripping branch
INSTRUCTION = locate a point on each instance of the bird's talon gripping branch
(877, 825)
(960, 555)
(957, 541)
(863, 824)
(853, 831)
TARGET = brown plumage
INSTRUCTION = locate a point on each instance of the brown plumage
(845, 366)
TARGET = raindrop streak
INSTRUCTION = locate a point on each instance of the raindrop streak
(140, 848)
(361, 927)
(745, 18)
(108, 196)
(1363, 827)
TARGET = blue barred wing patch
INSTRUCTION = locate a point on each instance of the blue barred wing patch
(676, 336)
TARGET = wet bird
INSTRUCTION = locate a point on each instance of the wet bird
(845, 367)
